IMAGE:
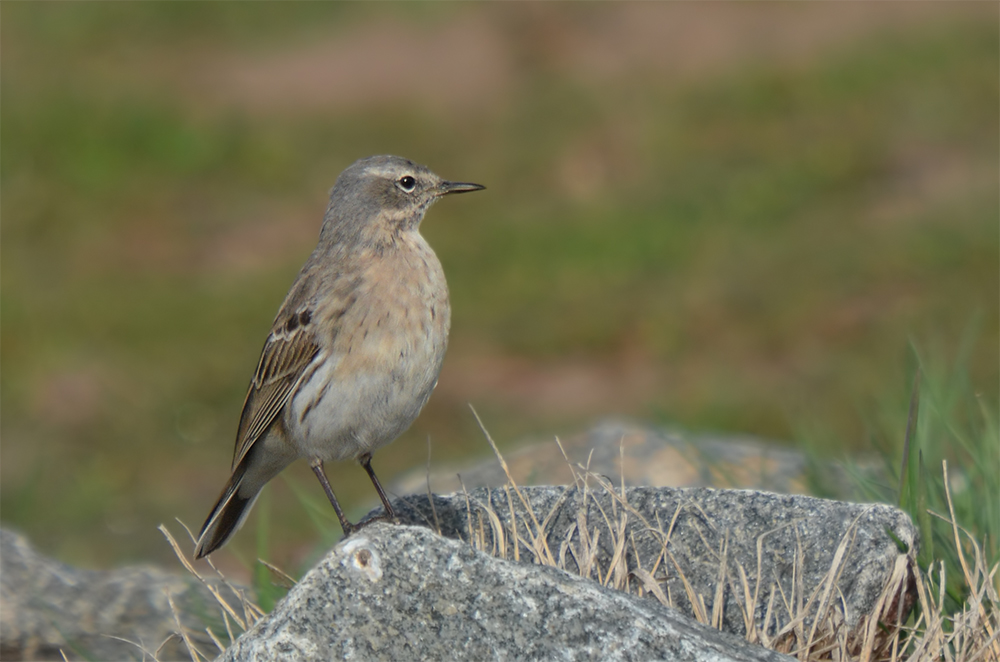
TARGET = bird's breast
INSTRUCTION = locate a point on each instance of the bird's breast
(398, 325)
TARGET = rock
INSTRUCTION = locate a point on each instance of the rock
(404, 593)
(643, 456)
(702, 551)
(47, 609)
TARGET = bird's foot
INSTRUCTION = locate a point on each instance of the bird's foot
(354, 528)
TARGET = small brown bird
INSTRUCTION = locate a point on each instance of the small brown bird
(355, 349)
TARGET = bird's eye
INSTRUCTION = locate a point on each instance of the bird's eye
(407, 183)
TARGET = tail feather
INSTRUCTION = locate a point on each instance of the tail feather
(226, 517)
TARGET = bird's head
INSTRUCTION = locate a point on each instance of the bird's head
(384, 196)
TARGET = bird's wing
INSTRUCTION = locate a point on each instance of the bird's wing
(289, 349)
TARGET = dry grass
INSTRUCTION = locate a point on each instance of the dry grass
(236, 619)
(818, 632)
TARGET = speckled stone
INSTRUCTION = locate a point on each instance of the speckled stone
(404, 593)
(798, 536)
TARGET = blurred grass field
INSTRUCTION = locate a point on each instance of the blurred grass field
(730, 217)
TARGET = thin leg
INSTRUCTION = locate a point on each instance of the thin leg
(317, 467)
(366, 462)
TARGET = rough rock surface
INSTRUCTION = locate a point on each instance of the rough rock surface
(404, 593)
(699, 545)
(48, 609)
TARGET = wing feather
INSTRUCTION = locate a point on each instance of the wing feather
(285, 357)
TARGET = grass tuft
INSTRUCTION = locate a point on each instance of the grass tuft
(236, 619)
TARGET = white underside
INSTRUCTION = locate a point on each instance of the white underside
(355, 415)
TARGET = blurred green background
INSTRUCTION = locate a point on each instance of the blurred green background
(720, 216)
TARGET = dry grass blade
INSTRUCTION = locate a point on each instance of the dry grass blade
(747, 610)
(697, 604)
(287, 581)
(554, 510)
(954, 524)
(765, 639)
(251, 612)
(170, 637)
(749, 605)
(564, 546)
(192, 649)
(214, 591)
(499, 534)
(717, 604)
(961, 557)
(503, 464)
(569, 463)
(539, 541)
(513, 522)
(666, 537)
(892, 591)
(617, 564)
(798, 587)
(986, 649)
(588, 550)
(650, 584)
(468, 512)
(829, 583)
(142, 648)
(430, 494)
(778, 590)
(215, 640)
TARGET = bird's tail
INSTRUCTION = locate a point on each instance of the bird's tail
(229, 512)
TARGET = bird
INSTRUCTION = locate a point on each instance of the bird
(356, 347)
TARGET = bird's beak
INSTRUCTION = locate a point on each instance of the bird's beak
(459, 187)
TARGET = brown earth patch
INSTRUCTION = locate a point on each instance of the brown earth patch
(456, 64)
(473, 60)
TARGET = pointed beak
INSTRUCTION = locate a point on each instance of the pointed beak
(459, 187)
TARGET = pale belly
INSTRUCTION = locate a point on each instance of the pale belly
(361, 401)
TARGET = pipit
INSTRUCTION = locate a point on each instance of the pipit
(356, 347)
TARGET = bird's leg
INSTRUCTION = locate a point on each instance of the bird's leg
(317, 467)
(366, 462)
